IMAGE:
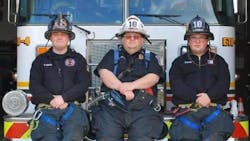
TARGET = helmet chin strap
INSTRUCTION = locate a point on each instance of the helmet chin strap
(146, 38)
(46, 45)
(69, 44)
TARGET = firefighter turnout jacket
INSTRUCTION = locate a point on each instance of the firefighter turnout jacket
(54, 74)
(190, 75)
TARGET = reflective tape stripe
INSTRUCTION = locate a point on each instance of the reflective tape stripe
(16, 130)
(240, 129)
(22, 84)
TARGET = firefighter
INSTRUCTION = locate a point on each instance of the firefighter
(129, 74)
(58, 82)
(200, 81)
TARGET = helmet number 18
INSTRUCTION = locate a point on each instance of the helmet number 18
(197, 24)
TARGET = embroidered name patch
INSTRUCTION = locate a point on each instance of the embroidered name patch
(47, 65)
(187, 62)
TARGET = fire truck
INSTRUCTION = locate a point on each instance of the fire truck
(95, 23)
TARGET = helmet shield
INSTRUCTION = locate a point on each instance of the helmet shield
(198, 25)
(132, 24)
(59, 24)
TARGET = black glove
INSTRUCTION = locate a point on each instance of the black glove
(140, 101)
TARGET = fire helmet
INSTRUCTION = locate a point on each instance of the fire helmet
(132, 24)
(60, 24)
(198, 25)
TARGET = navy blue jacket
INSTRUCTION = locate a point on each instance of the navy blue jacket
(190, 76)
(53, 74)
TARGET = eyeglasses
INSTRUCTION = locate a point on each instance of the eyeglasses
(192, 38)
(135, 37)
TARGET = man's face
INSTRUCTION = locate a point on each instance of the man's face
(198, 43)
(132, 42)
(59, 40)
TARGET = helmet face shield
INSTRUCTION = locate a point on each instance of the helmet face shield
(60, 24)
(133, 24)
(198, 25)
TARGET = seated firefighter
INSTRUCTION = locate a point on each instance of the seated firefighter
(58, 82)
(200, 81)
(129, 75)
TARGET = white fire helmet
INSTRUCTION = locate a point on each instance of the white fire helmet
(132, 24)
